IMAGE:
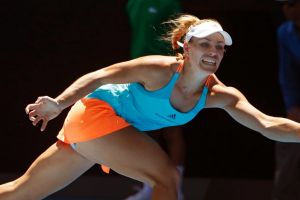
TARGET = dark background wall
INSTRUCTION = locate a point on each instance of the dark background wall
(45, 45)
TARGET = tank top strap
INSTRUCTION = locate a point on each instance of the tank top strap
(169, 87)
(207, 82)
(179, 68)
(202, 101)
(166, 90)
(175, 77)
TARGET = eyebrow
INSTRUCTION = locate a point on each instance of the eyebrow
(222, 42)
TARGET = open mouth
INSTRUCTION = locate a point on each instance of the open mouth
(209, 61)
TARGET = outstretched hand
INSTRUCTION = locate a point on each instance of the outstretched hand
(44, 109)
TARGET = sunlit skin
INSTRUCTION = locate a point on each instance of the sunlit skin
(286, 184)
(206, 53)
(60, 164)
(202, 58)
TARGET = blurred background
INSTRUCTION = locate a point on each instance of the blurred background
(46, 45)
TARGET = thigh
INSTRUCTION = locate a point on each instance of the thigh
(129, 153)
(57, 167)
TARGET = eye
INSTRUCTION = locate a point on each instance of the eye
(204, 44)
(220, 47)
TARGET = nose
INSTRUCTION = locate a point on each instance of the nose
(212, 51)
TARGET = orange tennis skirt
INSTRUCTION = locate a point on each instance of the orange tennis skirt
(89, 119)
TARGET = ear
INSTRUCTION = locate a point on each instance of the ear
(185, 46)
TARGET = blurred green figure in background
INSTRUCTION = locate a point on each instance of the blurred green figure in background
(145, 18)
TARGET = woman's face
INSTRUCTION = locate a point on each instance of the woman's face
(206, 53)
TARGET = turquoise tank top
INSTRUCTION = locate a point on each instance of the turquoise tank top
(147, 110)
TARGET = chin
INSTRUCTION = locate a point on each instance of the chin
(209, 69)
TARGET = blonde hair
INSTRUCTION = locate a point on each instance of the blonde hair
(180, 26)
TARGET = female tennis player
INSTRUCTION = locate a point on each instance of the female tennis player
(114, 105)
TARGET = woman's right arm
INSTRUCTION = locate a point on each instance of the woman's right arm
(46, 108)
(125, 72)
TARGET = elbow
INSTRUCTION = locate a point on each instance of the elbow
(267, 122)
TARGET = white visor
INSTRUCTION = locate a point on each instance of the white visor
(205, 29)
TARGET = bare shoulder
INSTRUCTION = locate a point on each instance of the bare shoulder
(221, 95)
(142, 70)
(157, 70)
(156, 62)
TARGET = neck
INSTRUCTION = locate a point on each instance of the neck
(191, 80)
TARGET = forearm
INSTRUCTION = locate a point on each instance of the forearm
(281, 129)
(275, 128)
(80, 88)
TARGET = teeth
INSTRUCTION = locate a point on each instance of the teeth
(209, 61)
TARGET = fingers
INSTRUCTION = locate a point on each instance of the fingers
(28, 108)
(39, 99)
(43, 110)
(31, 107)
(31, 114)
(34, 116)
(36, 119)
(44, 125)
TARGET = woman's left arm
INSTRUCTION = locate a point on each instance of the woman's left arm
(275, 128)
